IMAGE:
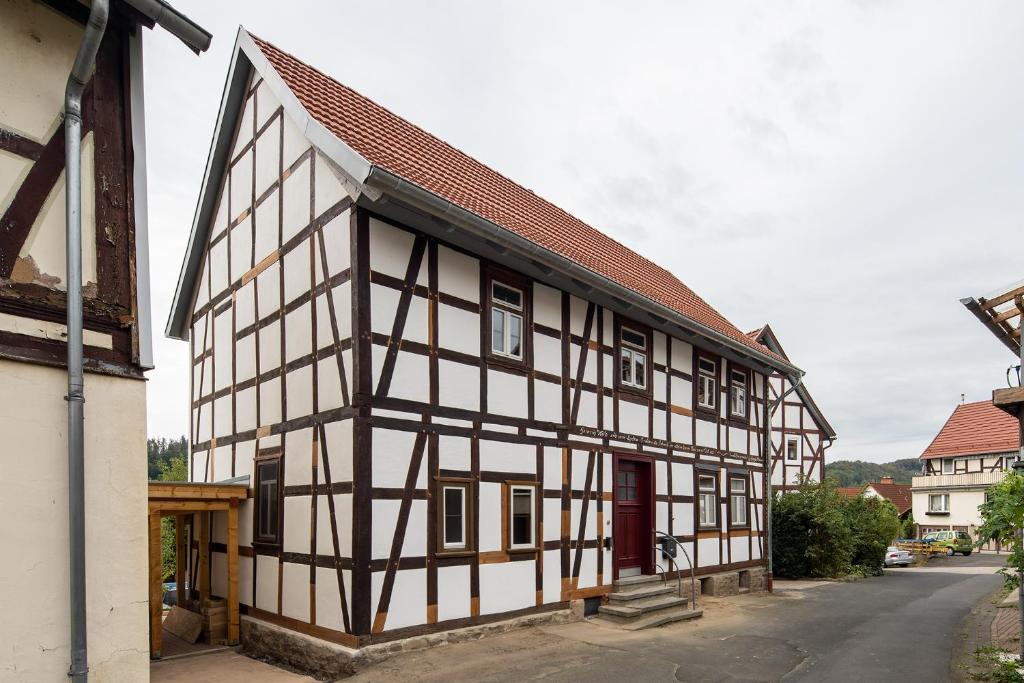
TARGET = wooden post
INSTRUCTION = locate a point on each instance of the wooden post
(233, 621)
(155, 597)
(180, 560)
(203, 575)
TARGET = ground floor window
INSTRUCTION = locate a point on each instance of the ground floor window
(268, 497)
(738, 500)
(938, 502)
(454, 509)
(521, 516)
(707, 489)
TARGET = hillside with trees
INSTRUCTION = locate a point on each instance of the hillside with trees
(160, 453)
(858, 472)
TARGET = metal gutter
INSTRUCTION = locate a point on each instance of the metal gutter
(388, 183)
(80, 72)
(174, 22)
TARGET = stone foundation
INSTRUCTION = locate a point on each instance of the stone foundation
(729, 583)
(329, 661)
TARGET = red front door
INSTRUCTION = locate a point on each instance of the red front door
(632, 532)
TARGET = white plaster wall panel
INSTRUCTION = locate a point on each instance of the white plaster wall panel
(268, 286)
(740, 549)
(328, 388)
(588, 569)
(328, 599)
(411, 379)
(454, 452)
(547, 355)
(408, 598)
(682, 519)
(490, 516)
(792, 417)
(547, 306)
(270, 402)
(245, 358)
(578, 316)
(296, 273)
(241, 249)
(299, 384)
(660, 350)
(755, 550)
(589, 370)
(706, 433)
(578, 471)
(240, 186)
(298, 458)
(329, 190)
(576, 510)
(339, 449)
(507, 457)
(324, 331)
(392, 450)
(324, 533)
(295, 202)
(270, 346)
(295, 143)
(200, 467)
(552, 522)
(587, 415)
(297, 338)
(245, 569)
(245, 409)
(204, 425)
(507, 586)
(268, 156)
(385, 517)
(551, 580)
(245, 305)
(295, 590)
(661, 477)
(453, 596)
(221, 464)
(506, 394)
(682, 358)
(458, 274)
(547, 401)
(682, 428)
(222, 416)
(416, 321)
(632, 418)
(659, 385)
(609, 368)
(12, 173)
(222, 350)
(202, 285)
(415, 542)
(458, 330)
(661, 515)
(267, 224)
(383, 305)
(390, 249)
(659, 427)
(244, 135)
(708, 551)
(458, 385)
(337, 243)
(296, 521)
(553, 467)
(737, 440)
(266, 585)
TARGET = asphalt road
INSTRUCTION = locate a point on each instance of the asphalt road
(900, 627)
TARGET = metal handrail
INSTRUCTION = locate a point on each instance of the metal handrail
(693, 579)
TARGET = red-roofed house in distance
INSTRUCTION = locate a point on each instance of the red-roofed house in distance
(457, 403)
(972, 451)
(897, 494)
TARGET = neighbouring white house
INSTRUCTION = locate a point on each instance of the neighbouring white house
(456, 402)
(38, 45)
(972, 451)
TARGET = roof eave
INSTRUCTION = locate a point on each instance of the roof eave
(974, 306)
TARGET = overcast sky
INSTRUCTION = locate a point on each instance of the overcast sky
(846, 171)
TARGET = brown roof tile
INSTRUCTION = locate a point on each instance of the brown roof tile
(975, 428)
(850, 491)
(409, 152)
(898, 494)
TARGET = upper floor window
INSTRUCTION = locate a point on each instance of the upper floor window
(706, 383)
(454, 510)
(268, 498)
(507, 307)
(633, 359)
(947, 466)
(792, 449)
(738, 393)
(738, 500)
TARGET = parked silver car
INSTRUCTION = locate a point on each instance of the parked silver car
(894, 557)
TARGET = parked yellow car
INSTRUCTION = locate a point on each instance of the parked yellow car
(953, 541)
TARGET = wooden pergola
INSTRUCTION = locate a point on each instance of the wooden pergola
(183, 500)
(1002, 313)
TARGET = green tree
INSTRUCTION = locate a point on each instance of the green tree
(812, 536)
(1003, 514)
(160, 451)
(174, 469)
(874, 523)
(858, 472)
(908, 527)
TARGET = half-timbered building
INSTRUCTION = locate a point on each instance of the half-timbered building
(800, 432)
(456, 402)
(38, 45)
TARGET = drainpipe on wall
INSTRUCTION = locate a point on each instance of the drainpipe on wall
(79, 76)
(794, 381)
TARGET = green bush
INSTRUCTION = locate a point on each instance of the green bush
(819, 533)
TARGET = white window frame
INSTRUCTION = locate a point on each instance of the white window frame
(508, 311)
(532, 542)
(943, 497)
(707, 513)
(796, 442)
(735, 496)
(708, 381)
(948, 466)
(737, 393)
(464, 543)
(629, 350)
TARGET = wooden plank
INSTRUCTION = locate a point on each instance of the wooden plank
(159, 490)
(184, 624)
(1011, 399)
(203, 575)
(155, 597)
(173, 507)
(989, 304)
(179, 559)
(233, 620)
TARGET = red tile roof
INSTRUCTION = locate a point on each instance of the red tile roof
(975, 428)
(409, 152)
(850, 491)
(898, 494)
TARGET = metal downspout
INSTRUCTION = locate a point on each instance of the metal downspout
(767, 448)
(79, 76)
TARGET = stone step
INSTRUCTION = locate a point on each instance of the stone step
(631, 611)
(661, 618)
(641, 592)
(639, 580)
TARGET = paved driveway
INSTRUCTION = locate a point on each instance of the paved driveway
(900, 627)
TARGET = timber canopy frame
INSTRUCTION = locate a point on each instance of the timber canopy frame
(182, 500)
